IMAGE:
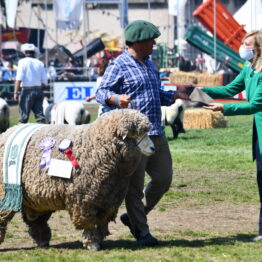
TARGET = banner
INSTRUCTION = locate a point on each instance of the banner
(123, 10)
(11, 6)
(68, 14)
(1, 18)
(173, 7)
(73, 91)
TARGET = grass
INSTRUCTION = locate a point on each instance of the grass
(213, 169)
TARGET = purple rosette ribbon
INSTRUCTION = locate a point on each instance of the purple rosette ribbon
(46, 144)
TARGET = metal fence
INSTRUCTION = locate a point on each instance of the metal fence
(7, 91)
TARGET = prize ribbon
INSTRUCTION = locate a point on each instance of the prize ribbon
(66, 147)
(46, 144)
(71, 157)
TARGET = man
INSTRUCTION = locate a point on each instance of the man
(131, 80)
(30, 80)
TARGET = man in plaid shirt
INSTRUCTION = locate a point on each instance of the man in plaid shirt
(131, 80)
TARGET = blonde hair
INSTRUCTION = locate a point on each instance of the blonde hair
(257, 60)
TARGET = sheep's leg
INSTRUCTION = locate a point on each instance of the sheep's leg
(38, 228)
(180, 120)
(179, 126)
(92, 238)
(5, 217)
(174, 130)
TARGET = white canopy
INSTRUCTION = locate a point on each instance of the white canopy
(250, 14)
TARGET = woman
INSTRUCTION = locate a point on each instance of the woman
(249, 79)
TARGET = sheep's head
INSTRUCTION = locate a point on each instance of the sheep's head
(129, 123)
(146, 145)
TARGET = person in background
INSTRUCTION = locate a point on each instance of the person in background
(51, 72)
(131, 80)
(100, 70)
(69, 72)
(249, 79)
(1, 70)
(9, 73)
(30, 81)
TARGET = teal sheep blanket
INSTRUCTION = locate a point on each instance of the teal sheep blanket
(12, 165)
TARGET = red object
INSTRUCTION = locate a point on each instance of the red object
(71, 157)
(21, 35)
(227, 28)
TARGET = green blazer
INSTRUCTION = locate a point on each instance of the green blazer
(250, 81)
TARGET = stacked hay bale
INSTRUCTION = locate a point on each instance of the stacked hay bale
(194, 78)
(199, 118)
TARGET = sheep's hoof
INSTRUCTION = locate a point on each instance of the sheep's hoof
(92, 246)
(43, 244)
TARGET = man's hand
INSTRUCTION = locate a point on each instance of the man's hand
(15, 96)
(16, 89)
(215, 107)
(123, 101)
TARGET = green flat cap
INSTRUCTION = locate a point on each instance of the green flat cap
(140, 31)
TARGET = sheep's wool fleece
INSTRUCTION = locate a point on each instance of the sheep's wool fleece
(107, 160)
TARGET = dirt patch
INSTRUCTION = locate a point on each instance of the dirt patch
(214, 220)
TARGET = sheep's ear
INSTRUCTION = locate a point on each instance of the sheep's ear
(124, 134)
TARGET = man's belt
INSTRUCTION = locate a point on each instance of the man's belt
(30, 87)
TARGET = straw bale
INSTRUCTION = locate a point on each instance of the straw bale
(194, 78)
(199, 118)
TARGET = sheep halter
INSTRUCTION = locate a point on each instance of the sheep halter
(141, 139)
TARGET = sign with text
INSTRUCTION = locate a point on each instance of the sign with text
(73, 91)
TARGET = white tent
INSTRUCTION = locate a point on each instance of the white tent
(250, 14)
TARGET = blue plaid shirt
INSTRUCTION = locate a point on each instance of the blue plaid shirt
(126, 75)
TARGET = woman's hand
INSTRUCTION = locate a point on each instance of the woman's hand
(215, 107)
(89, 98)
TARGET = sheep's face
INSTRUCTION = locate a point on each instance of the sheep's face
(126, 124)
(146, 145)
(130, 123)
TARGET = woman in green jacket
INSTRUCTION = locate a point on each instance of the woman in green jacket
(249, 79)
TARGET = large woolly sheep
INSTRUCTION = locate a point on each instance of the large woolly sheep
(4, 115)
(173, 116)
(107, 151)
(66, 112)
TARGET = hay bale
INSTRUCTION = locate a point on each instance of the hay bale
(199, 118)
(183, 78)
(194, 78)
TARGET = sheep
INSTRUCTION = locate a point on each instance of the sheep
(4, 115)
(173, 115)
(66, 112)
(108, 151)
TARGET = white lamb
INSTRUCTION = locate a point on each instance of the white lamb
(173, 116)
(4, 115)
(66, 112)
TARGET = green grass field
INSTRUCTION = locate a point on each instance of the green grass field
(209, 214)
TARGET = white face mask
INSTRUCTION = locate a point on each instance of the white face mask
(246, 54)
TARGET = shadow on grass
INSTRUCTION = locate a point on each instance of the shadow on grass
(230, 240)
(131, 244)
(170, 138)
